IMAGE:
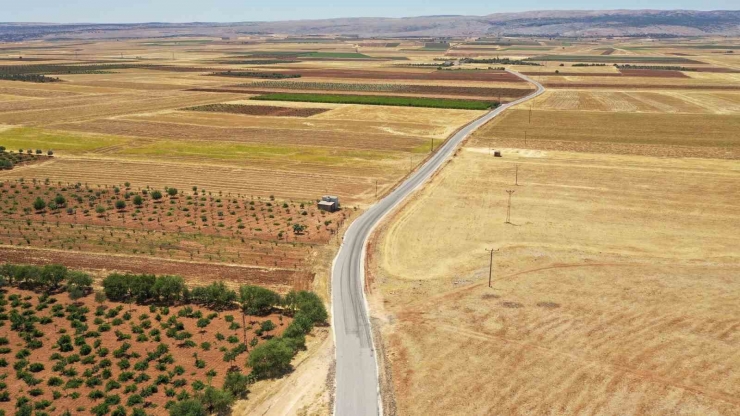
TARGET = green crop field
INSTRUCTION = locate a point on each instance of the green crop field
(379, 100)
(26, 138)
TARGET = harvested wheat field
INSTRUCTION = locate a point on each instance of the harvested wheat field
(709, 102)
(656, 134)
(613, 290)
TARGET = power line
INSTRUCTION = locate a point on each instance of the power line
(490, 266)
(508, 208)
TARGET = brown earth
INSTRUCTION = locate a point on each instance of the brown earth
(653, 73)
(182, 356)
(641, 86)
(482, 75)
(260, 110)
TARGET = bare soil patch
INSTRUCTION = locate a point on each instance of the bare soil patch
(260, 110)
(121, 319)
(641, 86)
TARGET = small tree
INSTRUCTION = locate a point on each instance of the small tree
(169, 289)
(50, 153)
(100, 210)
(39, 204)
(59, 200)
(237, 384)
(52, 275)
(216, 400)
(138, 200)
(156, 195)
(192, 407)
(78, 284)
(271, 359)
(116, 287)
(120, 205)
(172, 192)
(299, 228)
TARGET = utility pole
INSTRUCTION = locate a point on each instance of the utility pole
(508, 208)
(376, 189)
(490, 266)
(516, 175)
(530, 112)
(432, 148)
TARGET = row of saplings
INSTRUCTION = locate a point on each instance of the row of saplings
(267, 360)
(10, 159)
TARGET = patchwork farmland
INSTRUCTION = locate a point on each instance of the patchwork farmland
(161, 157)
(205, 158)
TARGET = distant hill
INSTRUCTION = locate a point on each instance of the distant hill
(576, 23)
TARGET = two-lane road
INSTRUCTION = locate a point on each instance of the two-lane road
(357, 389)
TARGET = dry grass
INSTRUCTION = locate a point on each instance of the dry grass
(711, 102)
(613, 293)
(682, 135)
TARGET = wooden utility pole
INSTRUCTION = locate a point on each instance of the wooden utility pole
(376, 189)
(516, 175)
(490, 267)
(508, 208)
(432, 147)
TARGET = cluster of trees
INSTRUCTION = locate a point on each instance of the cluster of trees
(38, 152)
(50, 278)
(655, 67)
(144, 288)
(58, 202)
(9, 159)
(501, 61)
(28, 78)
(267, 360)
(253, 74)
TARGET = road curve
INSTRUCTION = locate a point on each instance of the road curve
(357, 388)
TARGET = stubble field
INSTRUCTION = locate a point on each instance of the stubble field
(612, 288)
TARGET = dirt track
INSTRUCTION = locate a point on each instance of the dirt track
(196, 272)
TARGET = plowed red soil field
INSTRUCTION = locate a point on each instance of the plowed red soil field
(111, 380)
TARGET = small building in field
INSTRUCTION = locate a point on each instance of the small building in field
(327, 206)
(329, 203)
(331, 198)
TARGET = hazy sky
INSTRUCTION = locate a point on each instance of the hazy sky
(117, 11)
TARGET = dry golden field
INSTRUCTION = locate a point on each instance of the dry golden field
(613, 292)
(614, 287)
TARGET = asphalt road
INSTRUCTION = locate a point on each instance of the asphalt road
(357, 389)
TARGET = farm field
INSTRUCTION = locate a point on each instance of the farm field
(612, 288)
(149, 113)
(164, 337)
(612, 291)
(236, 183)
(247, 158)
